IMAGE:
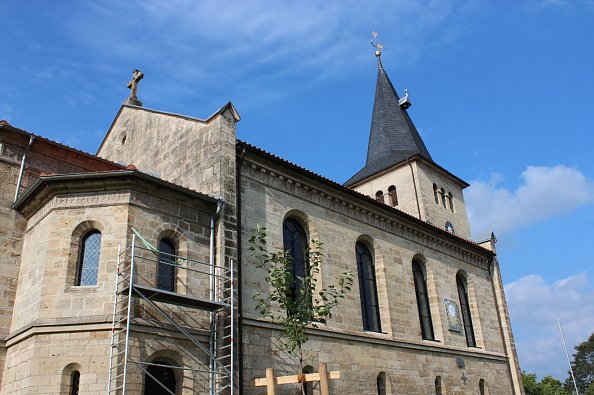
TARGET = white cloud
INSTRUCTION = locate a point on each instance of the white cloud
(535, 306)
(545, 192)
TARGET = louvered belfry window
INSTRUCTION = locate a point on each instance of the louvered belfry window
(166, 266)
(465, 307)
(88, 265)
(423, 302)
(367, 289)
(295, 242)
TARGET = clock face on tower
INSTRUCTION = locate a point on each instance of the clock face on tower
(449, 227)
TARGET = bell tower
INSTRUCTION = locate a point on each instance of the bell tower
(400, 172)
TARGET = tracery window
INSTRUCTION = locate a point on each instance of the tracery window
(166, 266)
(367, 289)
(393, 196)
(74, 382)
(88, 264)
(422, 302)
(295, 242)
(465, 307)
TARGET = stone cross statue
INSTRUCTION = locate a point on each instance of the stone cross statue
(133, 86)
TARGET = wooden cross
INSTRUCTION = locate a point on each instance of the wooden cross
(133, 86)
(323, 377)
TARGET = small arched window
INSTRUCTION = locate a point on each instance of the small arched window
(423, 302)
(465, 307)
(381, 383)
(295, 243)
(442, 193)
(436, 193)
(88, 264)
(158, 377)
(393, 196)
(451, 201)
(166, 266)
(74, 382)
(438, 386)
(482, 387)
(367, 289)
(379, 196)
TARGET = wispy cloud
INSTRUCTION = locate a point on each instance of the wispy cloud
(545, 192)
(535, 306)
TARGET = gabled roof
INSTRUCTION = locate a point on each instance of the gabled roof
(393, 137)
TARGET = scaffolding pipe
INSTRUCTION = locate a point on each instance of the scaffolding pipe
(130, 288)
(113, 322)
(20, 179)
(212, 339)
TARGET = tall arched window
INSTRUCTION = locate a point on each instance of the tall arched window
(381, 383)
(165, 377)
(465, 307)
(393, 196)
(367, 289)
(423, 302)
(88, 264)
(379, 196)
(482, 387)
(442, 193)
(166, 266)
(295, 242)
(74, 382)
(451, 200)
(436, 193)
(438, 386)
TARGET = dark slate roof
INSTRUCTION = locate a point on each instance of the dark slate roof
(393, 137)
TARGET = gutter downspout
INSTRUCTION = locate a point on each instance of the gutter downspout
(20, 179)
(412, 173)
(213, 295)
(239, 163)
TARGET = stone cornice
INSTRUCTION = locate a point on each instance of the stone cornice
(387, 219)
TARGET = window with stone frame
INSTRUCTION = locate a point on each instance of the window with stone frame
(393, 195)
(88, 261)
(367, 289)
(166, 265)
(379, 196)
(295, 243)
(422, 301)
(381, 383)
(74, 382)
(465, 307)
(436, 193)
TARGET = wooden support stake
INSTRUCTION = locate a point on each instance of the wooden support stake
(270, 381)
(324, 380)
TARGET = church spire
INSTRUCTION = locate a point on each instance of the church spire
(393, 136)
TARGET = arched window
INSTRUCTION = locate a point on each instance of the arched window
(482, 387)
(74, 382)
(438, 386)
(393, 196)
(381, 383)
(166, 266)
(451, 200)
(88, 263)
(442, 193)
(423, 302)
(367, 289)
(161, 377)
(379, 196)
(309, 385)
(436, 194)
(465, 307)
(295, 242)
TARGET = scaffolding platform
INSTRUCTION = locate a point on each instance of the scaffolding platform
(160, 295)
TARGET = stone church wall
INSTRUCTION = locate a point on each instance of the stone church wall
(272, 193)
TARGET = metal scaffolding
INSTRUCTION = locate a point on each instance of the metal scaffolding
(192, 326)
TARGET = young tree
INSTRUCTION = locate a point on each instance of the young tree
(299, 301)
(583, 367)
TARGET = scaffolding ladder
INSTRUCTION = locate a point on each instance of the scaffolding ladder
(197, 324)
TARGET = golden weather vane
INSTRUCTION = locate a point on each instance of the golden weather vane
(377, 45)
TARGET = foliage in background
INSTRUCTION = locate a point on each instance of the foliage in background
(547, 386)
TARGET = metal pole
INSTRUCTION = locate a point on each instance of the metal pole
(18, 187)
(133, 252)
(213, 296)
(115, 304)
(232, 329)
(568, 360)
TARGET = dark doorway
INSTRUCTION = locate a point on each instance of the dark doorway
(165, 376)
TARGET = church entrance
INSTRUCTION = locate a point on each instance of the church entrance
(165, 376)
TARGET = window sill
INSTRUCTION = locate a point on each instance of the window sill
(82, 288)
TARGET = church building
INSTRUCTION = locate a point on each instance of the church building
(129, 271)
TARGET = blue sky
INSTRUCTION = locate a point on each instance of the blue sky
(501, 91)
